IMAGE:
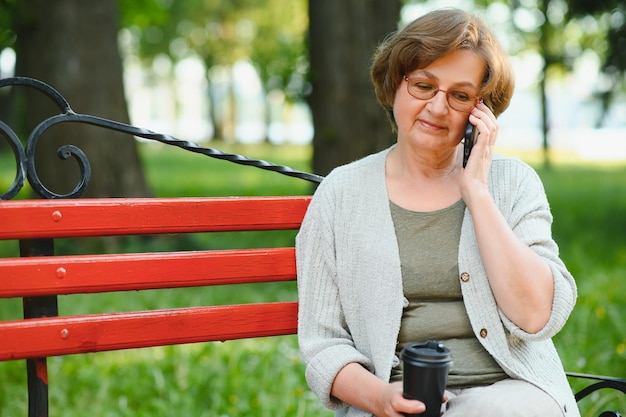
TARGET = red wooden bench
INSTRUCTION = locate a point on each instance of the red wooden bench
(38, 276)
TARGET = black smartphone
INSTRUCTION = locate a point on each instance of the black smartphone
(471, 133)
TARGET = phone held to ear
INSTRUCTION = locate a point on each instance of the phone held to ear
(471, 133)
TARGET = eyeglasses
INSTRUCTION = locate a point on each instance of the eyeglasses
(425, 89)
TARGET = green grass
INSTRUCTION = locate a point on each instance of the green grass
(175, 172)
(264, 377)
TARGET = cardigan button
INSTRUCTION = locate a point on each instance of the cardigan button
(465, 277)
(483, 333)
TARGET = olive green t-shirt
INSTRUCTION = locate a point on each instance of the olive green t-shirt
(429, 246)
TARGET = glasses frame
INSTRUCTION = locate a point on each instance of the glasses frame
(408, 80)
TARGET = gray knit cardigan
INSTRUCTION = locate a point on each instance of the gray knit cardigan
(350, 285)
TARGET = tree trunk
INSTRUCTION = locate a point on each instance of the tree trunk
(348, 121)
(543, 94)
(72, 46)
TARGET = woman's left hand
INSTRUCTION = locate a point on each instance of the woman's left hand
(475, 175)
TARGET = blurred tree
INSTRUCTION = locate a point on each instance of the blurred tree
(549, 38)
(561, 31)
(270, 34)
(348, 121)
(72, 45)
(609, 21)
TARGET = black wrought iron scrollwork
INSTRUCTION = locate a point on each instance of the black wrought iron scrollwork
(25, 157)
(20, 159)
(53, 94)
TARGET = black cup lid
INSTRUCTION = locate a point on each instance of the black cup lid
(431, 351)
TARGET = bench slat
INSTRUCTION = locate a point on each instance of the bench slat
(53, 336)
(28, 277)
(137, 216)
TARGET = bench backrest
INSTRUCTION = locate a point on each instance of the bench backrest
(35, 276)
(38, 276)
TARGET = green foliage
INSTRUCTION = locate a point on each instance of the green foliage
(269, 33)
(606, 35)
(7, 35)
(142, 13)
(265, 377)
(563, 31)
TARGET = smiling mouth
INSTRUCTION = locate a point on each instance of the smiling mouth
(430, 126)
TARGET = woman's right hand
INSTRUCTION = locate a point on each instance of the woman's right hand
(393, 403)
(358, 387)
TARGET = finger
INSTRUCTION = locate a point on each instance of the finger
(486, 126)
(485, 109)
(482, 112)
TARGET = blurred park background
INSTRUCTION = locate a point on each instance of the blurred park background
(287, 81)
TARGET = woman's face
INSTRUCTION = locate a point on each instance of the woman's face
(433, 123)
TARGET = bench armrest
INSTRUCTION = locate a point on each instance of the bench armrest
(602, 382)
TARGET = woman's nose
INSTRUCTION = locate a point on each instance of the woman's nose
(439, 103)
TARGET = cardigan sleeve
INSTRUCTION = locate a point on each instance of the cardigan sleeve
(528, 214)
(325, 341)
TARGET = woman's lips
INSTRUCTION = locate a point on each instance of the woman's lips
(430, 125)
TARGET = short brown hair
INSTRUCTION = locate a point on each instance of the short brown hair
(433, 36)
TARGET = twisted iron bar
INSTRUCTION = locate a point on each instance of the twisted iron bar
(25, 158)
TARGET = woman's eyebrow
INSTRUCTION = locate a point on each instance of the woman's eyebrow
(427, 74)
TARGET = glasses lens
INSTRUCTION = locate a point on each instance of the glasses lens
(460, 100)
(422, 89)
(425, 90)
(462, 107)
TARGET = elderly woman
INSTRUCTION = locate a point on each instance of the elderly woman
(408, 245)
